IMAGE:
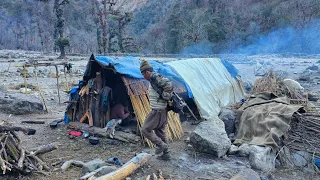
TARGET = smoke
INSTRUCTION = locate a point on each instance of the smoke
(286, 40)
(202, 48)
(279, 41)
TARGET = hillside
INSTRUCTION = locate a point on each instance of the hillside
(167, 26)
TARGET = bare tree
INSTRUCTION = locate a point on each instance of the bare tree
(60, 41)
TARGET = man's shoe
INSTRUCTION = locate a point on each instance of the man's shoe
(161, 149)
(165, 157)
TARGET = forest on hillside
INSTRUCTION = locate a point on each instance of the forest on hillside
(161, 26)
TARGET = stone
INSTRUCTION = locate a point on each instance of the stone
(247, 86)
(228, 117)
(244, 150)
(313, 96)
(300, 158)
(246, 174)
(20, 104)
(305, 78)
(233, 150)
(313, 68)
(23, 90)
(210, 137)
(93, 165)
(262, 158)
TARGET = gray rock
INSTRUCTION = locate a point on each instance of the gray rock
(106, 170)
(228, 117)
(305, 78)
(233, 150)
(244, 150)
(20, 104)
(24, 90)
(313, 96)
(262, 158)
(313, 68)
(246, 174)
(210, 137)
(93, 165)
(247, 86)
(300, 158)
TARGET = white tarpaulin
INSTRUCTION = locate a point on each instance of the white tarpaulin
(211, 84)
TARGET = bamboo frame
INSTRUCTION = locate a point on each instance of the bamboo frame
(140, 102)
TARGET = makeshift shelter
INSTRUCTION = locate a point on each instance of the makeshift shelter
(111, 79)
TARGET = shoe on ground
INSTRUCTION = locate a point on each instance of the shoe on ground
(165, 157)
(161, 149)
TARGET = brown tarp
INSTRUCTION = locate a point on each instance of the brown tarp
(263, 119)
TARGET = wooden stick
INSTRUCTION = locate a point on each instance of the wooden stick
(9, 66)
(122, 136)
(33, 122)
(58, 86)
(13, 128)
(127, 168)
(22, 157)
(44, 149)
(25, 78)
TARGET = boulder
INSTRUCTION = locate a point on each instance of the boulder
(313, 96)
(228, 117)
(246, 174)
(300, 158)
(210, 137)
(313, 68)
(262, 158)
(244, 150)
(20, 104)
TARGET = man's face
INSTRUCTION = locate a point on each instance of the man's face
(146, 75)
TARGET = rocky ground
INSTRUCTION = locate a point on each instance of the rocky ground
(185, 164)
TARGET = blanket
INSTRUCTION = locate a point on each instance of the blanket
(264, 119)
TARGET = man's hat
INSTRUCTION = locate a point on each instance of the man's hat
(145, 65)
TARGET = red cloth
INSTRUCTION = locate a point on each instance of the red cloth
(119, 112)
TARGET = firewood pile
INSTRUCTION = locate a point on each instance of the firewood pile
(15, 158)
(304, 134)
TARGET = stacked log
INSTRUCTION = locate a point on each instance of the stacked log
(14, 157)
(304, 134)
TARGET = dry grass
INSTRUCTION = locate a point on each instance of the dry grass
(273, 83)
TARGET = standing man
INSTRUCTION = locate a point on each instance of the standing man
(160, 92)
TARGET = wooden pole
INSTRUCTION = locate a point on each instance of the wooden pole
(40, 91)
(65, 76)
(25, 78)
(9, 67)
(57, 75)
(127, 168)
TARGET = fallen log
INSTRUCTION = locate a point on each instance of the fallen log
(127, 168)
(13, 128)
(44, 149)
(100, 132)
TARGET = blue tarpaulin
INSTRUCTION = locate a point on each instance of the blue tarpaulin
(130, 66)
